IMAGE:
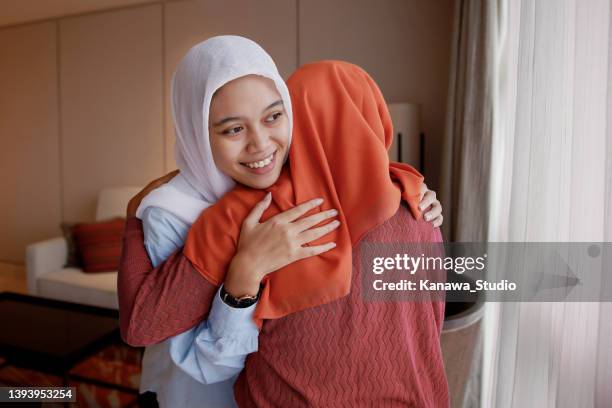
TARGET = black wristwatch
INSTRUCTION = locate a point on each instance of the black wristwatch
(240, 302)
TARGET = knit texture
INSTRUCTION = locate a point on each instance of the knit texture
(352, 353)
(155, 304)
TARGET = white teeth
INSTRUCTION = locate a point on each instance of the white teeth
(261, 163)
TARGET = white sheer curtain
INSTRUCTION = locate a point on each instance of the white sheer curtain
(551, 181)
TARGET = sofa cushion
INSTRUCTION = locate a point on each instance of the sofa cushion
(72, 285)
(99, 244)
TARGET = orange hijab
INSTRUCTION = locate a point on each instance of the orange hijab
(342, 131)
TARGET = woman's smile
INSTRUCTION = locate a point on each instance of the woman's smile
(262, 166)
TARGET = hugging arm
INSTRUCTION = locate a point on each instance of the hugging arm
(157, 303)
(216, 348)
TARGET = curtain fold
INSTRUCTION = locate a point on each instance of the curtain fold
(466, 157)
(551, 181)
(467, 147)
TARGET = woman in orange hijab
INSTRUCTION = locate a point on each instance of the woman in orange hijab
(339, 153)
(308, 354)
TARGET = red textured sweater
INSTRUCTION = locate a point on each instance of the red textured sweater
(345, 353)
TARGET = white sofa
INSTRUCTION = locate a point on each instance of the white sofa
(45, 262)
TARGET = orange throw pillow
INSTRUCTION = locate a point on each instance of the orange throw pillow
(99, 244)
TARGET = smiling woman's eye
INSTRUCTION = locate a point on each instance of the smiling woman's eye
(273, 117)
(233, 130)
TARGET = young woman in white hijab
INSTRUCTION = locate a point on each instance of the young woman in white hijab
(228, 65)
(213, 152)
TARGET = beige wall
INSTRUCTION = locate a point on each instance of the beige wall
(403, 44)
(111, 104)
(84, 99)
(21, 11)
(29, 157)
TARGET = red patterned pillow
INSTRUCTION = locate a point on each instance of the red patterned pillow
(99, 244)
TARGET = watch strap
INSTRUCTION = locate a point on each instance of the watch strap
(238, 302)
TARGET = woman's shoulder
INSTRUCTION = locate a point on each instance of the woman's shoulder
(404, 227)
(158, 216)
(161, 226)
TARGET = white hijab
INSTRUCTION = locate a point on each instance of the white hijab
(205, 68)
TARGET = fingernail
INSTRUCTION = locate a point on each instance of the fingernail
(318, 201)
(333, 212)
(332, 244)
(335, 222)
(421, 207)
(427, 217)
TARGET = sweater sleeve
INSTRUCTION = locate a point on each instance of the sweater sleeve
(157, 303)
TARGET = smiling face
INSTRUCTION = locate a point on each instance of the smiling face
(249, 131)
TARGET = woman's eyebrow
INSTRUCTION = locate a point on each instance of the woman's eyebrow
(232, 118)
(225, 120)
(273, 104)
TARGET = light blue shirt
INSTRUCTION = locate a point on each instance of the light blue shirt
(196, 368)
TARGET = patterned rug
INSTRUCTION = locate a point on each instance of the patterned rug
(116, 364)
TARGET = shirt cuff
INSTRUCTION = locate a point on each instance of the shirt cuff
(231, 322)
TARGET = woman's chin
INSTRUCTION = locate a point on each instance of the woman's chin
(258, 182)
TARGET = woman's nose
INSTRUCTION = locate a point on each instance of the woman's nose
(259, 140)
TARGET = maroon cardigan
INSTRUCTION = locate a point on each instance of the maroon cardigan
(345, 353)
